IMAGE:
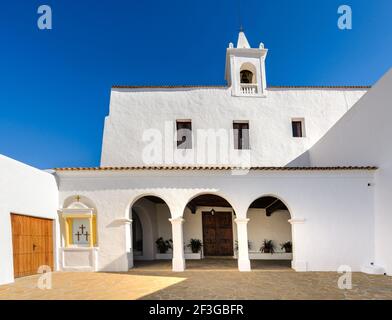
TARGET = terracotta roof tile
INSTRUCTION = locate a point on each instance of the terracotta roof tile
(167, 86)
(319, 87)
(219, 168)
(224, 86)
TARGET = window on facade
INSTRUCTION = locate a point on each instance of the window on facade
(184, 134)
(298, 128)
(246, 76)
(241, 135)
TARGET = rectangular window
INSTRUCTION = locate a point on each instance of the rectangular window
(241, 135)
(184, 134)
(298, 128)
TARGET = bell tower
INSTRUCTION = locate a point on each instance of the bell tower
(245, 68)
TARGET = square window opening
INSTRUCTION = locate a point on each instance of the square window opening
(298, 128)
(184, 134)
(241, 135)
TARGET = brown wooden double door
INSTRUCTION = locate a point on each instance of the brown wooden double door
(32, 242)
(217, 234)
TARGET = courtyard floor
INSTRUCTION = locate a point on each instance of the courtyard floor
(207, 280)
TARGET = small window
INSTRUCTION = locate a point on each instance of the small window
(184, 134)
(241, 135)
(246, 76)
(298, 128)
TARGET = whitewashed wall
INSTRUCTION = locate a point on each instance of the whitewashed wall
(147, 213)
(337, 227)
(275, 228)
(164, 225)
(193, 227)
(133, 111)
(23, 190)
(363, 137)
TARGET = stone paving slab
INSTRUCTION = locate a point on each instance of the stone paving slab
(219, 281)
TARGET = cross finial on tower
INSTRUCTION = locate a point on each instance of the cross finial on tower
(242, 41)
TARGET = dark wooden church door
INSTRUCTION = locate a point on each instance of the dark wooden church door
(217, 234)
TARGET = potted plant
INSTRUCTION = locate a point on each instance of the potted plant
(287, 247)
(195, 245)
(163, 245)
(267, 246)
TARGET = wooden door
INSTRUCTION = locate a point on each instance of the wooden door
(32, 242)
(209, 234)
(224, 233)
(217, 234)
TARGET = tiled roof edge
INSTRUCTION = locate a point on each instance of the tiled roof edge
(167, 86)
(319, 87)
(224, 86)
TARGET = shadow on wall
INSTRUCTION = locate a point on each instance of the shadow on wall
(301, 161)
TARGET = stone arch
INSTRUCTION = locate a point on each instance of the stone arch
(289, 208)
(143, 195)
(79, 204)
(209, 217)
(148, 208)
(79, 198)
(207, 192)
(147, 233)
(284, 232)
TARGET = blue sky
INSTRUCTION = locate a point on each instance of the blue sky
(55, 85)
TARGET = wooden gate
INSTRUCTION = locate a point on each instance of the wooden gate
(32, 242)
(217, 234)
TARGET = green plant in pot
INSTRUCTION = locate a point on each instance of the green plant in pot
(267, 246)
(195, 245)
(287, 246)
(163, 245)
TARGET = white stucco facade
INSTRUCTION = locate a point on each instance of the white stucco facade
(327, 218)
(140, 127)
(28, 191)
(362, 136)
(130, 123)
(334, 214)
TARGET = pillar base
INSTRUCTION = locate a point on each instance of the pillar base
(178, 265)
(299, 266)
(244, 265)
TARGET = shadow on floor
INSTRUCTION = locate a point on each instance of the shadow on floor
(213, 264)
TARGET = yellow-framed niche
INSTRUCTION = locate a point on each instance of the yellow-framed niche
(79, 225)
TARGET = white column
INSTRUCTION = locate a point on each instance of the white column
(128, 241)
(242, 238)
(299, 262)
(178, 261)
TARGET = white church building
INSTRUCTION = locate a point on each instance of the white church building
(253, 172)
